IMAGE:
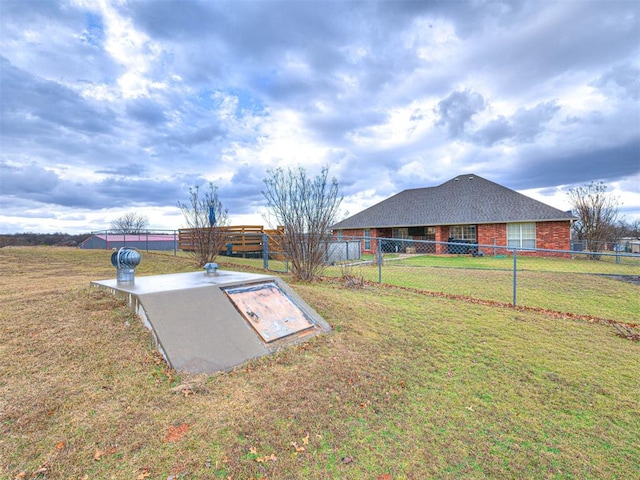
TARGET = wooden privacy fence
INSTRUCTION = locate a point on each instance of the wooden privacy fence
(239, 240)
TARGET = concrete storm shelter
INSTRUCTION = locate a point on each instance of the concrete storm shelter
(206, 322)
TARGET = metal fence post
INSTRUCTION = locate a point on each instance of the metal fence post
(515, 275)
(379, 250)
(265, 251)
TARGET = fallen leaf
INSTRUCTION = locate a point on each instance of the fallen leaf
(470, 408)
(296, 447)
(60, 445)
(385, 476)
(176, 432)
(22, 474)
(347, 460)
(270, 458)
(305, 440)
(253, 450)
(144, 474)
(97, 454)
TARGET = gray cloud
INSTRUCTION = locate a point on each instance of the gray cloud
(146, 111)
(31, 103)
(456, 110)
(30, 181)
(625, 78)
(607, 164)
(522, 127)
(390, 95)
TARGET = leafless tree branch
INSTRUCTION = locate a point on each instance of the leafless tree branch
(307, 208)
(597, 213)
(208, 237)
(130, 223)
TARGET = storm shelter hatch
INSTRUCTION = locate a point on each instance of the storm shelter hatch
(205, 323)
(271, 313)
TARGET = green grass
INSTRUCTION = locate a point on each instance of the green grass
(581, 287)
(408, 385)
(629, 265)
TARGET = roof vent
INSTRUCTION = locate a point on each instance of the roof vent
(456, 179)
(471, 177)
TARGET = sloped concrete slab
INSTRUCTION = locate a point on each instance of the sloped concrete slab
(197, 326)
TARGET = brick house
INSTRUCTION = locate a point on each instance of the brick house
(466, 209)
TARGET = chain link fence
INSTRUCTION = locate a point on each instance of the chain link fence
(145, 240)
(599, 284)
(603, 285)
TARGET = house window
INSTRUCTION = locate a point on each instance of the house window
(430, 233)
(401, 233)
(521, 235)
(463, 232)
(340, 235)
(367, 239)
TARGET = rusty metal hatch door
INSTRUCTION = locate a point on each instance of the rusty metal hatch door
(271, 313)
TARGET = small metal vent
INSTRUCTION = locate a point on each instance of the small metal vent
(125, 260)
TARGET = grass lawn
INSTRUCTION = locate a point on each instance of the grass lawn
(581, 287)
(580, 264)
(407, 386)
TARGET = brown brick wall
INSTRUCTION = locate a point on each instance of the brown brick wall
(492, 234)
(553, 235)
(359, 233)
(549, 235)
(442, 235)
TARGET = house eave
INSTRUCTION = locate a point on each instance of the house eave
(539, 220)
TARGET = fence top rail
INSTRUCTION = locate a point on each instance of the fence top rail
(155, 231)
(509, 248)
(255, 229)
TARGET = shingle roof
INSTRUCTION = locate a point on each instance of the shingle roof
(465, 199)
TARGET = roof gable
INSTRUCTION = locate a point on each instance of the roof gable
(465, 199)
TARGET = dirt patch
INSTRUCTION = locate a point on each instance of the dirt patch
(635, 279)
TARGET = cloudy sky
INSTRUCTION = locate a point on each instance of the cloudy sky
(110, 107)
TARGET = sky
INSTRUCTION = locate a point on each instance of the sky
(112, 107)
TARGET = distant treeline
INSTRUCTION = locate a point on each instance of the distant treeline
(51, 239)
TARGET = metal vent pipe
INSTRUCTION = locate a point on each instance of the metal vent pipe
(125, 260)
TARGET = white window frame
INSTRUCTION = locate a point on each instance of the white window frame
(521, 235)
(367, 238)
(466, 232)
(401, 232)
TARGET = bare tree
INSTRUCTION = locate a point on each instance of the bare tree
(630, 229)
(131, 222)
(306, 207)
(597, 213)
(206, 220)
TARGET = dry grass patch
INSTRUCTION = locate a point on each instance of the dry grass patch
(406, 385)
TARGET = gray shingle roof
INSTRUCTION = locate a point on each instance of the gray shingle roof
(465, 199)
